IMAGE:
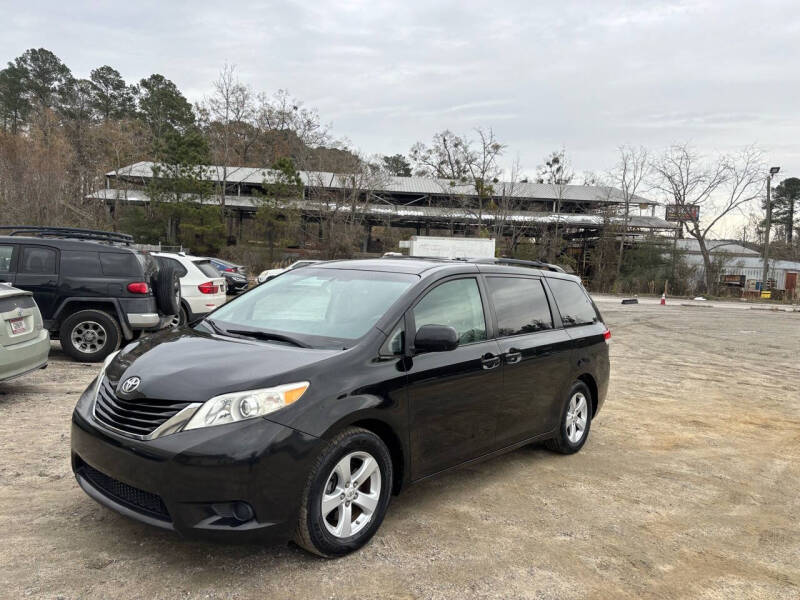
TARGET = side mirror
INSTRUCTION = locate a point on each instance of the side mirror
(435, 338)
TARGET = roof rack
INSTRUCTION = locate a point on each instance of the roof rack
(69, 232)
(536, 264)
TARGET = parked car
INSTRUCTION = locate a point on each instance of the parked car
(202, 286)
(235, 275)
(270, 273)
(94, 290)
(299, 408)
(24, 342)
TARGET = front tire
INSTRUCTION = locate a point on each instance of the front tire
(575, 422)
(89, 335)
(347, 494)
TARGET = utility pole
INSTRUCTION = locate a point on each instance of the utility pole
(765, 272)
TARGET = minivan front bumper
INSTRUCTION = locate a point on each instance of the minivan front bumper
(194, 482)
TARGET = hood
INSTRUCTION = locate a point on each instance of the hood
(193, 366)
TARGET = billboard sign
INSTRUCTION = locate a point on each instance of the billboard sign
(682, 212)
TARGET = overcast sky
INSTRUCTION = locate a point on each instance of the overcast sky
(586, 75)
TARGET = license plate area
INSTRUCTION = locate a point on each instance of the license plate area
(18, 326)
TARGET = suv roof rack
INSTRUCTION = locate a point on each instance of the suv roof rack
(69, 232)
(536, 264)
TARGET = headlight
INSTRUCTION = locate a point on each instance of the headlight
(238, 406)
(102, 373)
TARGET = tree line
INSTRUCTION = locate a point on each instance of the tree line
(59, 135)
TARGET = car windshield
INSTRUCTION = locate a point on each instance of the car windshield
(316, 307)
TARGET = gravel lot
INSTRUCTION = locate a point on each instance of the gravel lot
(688, 487)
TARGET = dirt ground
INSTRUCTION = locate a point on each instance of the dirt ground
(689, 487)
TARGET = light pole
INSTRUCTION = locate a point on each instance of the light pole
(765, 272)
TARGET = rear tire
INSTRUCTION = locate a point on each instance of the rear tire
(339, 512)
(89, 335)
(575, 421)
(180, 319)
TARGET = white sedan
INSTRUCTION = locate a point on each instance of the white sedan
(270, 273)
(24, 342)
(202, 286)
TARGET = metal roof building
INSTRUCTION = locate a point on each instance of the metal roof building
(406, 201)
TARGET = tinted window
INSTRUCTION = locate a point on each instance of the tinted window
(456, 304)
(80, 264)
(36, 259)
(123, 264)
(207, 267)
(521, 305)
(573, 303)
(6, 253)
(163, 261)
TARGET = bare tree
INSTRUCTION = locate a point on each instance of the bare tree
(718, 186)
(556, 172)
(505, 207)
(630, 175)
(223, 112)
(288, 129)
(468, 169)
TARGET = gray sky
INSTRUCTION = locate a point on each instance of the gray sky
(585, 75)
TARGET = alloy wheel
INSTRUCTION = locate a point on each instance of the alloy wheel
(351, 495)
(577, 417)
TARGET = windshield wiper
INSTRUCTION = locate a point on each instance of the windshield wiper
(267, 336)
(261, 335)
(214, 326)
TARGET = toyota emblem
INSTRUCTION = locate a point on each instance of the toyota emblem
(130, 384)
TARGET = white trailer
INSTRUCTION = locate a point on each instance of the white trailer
(449, 247)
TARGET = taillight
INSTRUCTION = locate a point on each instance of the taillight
(138, 287)
(230, 270)
(607, 334)
(208, 288)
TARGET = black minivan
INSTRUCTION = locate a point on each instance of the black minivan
(297, 409)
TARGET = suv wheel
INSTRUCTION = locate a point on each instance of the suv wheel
(180, 319)
(576, 420)
(347, 494)
(89, 335)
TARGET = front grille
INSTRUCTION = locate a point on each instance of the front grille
(21, 301)
(139, 416)
(122, 493)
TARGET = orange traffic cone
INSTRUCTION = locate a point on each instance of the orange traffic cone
(663, 299)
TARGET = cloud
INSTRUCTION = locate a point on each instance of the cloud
(587, 75)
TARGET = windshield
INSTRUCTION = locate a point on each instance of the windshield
(319, 307)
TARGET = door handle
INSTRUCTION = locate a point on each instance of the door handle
(513, 356)
(490, 361)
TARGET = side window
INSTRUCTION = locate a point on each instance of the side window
(120, 264)
(80, 264)
(38, 260)
(573, 303)
(179, 268)
(456, 304)
(521, 305)
(393, 346)
(6, 254)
